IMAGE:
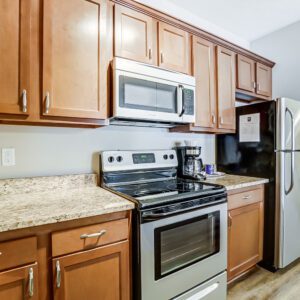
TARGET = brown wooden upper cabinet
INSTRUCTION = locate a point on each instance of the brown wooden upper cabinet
(254, 78)
(226, 88)
(74, 46)
(15, 56)
(144, 39)
(135, 35)
(203, 68)
(173, 48)
(263, 80)
(245, 73)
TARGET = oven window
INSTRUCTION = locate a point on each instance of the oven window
(182, 244)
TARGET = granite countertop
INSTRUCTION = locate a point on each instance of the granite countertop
(232, 182)
(37, 201)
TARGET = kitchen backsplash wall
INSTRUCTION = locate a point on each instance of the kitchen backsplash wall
(42, 151)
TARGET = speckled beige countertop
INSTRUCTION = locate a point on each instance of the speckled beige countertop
(44, 200)
(232, 182)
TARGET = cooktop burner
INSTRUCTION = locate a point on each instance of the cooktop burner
(165, 190)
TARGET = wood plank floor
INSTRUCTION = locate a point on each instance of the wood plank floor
(264, 285)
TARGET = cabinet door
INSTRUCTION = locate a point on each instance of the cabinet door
(245, 73)
(102, 273)
(226, 88)
(245, 238)
(134, 35)
(74, 72)
(14, 56)
(203, 67)
(263, 80)
(174, 48)
(20, 283)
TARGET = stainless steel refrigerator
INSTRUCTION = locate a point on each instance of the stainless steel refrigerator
(269, 147)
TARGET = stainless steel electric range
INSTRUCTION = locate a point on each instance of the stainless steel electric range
(179, 226)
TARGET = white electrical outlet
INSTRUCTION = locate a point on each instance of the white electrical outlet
(8, 157)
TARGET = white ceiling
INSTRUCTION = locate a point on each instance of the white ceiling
(248, 19)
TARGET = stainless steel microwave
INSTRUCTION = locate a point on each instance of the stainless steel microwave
(145, 93)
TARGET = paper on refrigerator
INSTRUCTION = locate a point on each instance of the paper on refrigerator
(249, 128)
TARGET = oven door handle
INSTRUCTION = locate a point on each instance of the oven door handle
(156, 216)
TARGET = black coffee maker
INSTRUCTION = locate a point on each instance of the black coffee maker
(190, 164)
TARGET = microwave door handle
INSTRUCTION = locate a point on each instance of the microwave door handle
(180, 102)
(179, 99)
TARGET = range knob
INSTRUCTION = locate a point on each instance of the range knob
(111, 159)
(171, 156)
(119, 158)
(165, 156)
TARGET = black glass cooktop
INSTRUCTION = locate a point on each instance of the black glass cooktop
(166, 190)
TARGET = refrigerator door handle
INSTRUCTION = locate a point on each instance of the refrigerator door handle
(287, 191)
(287, 111)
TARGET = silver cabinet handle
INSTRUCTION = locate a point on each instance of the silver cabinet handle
(150, 53)
(254, 84)
(247, 197)
(31, 282)
(24, 101)
(221, 120)
(257, 86)
(92, 235)
(229, 220)
(47, 103)
(161, 57)
(58, 275)
(213, 119)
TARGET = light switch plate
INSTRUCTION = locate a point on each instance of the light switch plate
(8, 157)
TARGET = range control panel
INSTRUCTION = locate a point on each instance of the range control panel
(137, 160)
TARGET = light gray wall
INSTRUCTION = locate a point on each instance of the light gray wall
(54, 151)
(283, 47)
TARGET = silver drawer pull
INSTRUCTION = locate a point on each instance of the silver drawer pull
(24, 101)
(247, 197)
(58, 275)
(31, 282)
(92, 235)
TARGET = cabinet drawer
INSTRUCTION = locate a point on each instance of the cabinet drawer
(18, 252)
(87, 237)
(245, 198)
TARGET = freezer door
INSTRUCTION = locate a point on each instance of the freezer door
(288, 201)
(288, 121)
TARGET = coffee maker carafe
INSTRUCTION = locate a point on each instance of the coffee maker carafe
(190, 164)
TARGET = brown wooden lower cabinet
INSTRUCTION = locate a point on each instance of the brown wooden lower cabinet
(101, 273)
(245, 230)
(19, 283)
(75, 260)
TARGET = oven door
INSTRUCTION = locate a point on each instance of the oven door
(180, 252)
